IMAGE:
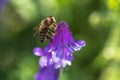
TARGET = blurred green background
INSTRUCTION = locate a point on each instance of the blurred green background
(95, 21)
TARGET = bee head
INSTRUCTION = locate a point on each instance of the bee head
(52, 19)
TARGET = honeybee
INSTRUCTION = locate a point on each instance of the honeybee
(46, 28)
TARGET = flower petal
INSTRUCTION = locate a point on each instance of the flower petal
(65, 62)
(82, 43)
(43, 61)
(38, 51)
(74, 47)
(47, 73)
(58, 65)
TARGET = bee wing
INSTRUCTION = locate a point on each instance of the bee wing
(35, 33)
(37, 30)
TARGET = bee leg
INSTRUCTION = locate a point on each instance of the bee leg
(53, 28)
(51, 33)
(48, 38)
(54, 25)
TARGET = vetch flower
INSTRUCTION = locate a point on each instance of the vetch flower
(59, 52)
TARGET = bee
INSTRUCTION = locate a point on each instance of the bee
(46, 28)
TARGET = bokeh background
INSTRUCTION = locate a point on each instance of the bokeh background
(95, 21)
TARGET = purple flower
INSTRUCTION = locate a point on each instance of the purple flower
(47, 73)
(59, 52)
